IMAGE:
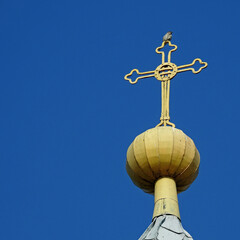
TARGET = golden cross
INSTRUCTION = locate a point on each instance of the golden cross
(164, 73)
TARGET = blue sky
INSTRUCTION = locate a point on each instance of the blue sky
(68, 117)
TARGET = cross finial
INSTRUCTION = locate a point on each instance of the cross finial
(164, 73)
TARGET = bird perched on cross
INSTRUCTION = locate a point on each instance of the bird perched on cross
(167, 37)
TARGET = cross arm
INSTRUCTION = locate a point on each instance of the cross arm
(142, 75)
(187, 67)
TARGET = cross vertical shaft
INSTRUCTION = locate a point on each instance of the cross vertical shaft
(165, 92)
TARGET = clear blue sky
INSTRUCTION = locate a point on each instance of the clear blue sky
(68, 117)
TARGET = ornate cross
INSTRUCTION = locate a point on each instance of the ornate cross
(164, 73)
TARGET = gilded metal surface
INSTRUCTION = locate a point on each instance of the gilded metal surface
(164, 73)
(165, 198)
(162, 152)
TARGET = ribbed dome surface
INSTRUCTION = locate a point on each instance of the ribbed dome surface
(162, 152)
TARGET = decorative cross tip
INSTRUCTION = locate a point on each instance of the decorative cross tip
(164, 73)
(139, 73)
(184, 68)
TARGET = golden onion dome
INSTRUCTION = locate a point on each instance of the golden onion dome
(162, 152)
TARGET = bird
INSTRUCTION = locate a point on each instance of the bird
(167, 37)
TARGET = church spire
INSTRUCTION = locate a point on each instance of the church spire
(163, 160)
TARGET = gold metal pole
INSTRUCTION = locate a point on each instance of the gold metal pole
(163, 95)
(165, 100)
(166, 201)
